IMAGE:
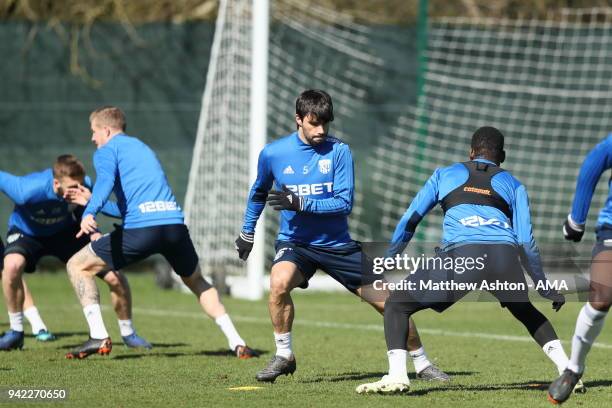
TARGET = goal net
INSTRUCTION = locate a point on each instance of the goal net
(547, 84)
(309, 47)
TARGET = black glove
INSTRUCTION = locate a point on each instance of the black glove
(558, 300)
(572, 231)
(285, 200)
(244, 244)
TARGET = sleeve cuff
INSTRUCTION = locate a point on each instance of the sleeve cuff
(247, 236)
(86, 213)
(574, 225)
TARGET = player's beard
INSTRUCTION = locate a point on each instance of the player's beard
(317, 140)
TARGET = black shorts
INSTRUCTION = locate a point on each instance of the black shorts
(603, 234)
(343, 263)
(123, 247)
(495, 265)
(62, 245)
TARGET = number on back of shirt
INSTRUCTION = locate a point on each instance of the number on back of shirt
(157, 206)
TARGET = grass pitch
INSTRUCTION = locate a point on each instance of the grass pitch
(338, 342)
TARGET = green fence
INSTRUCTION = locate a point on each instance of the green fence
(156, 74)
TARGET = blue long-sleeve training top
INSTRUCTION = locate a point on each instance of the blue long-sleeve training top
(470, 223)
(38, 210)
(129, 168)
(322, 175)
(595, 163)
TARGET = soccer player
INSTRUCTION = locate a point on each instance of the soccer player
(44, 223)
(314, 174)
(486, 219)
(152, 223)
(591, 318)
(30, 311)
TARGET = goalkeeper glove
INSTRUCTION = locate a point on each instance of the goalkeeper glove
(244, 244)
(558, 300)
(285, 200)
(572, 231)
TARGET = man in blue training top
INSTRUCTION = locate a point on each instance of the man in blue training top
(152, 224)
(43, 223)
(487, 220)
(592, 316)
(314, 174)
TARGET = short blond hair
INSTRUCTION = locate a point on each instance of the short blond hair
(67, 165)
(110, 116)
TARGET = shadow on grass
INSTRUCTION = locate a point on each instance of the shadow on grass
(121, 345)
(71, 346)
(208, 353)
(167, 345)
(597, 383)
(149, 354)
(62, 335)
(226, 353)
(527, 385)
(534, 385)
(354, 376)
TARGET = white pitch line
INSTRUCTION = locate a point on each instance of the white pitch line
(351, 326)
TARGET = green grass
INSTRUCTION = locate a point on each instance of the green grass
(338, 342)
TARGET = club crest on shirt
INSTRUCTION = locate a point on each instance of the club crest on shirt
(324, 166)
